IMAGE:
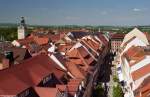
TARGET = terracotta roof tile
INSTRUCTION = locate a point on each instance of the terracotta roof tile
(11, 85)
(103, 39)
(71, 89)
(141, 72)
(41, 40)
(55, 38)
(61, 58)
(135, 53)
(25, 41)
(74, 70)
(117, 36)
(61, 88)
(26, 74)
(46, 92)
(143, 89)
(73, 53)
(64, 48)
(76, 61)
(82, 51)
(92, 44)
(59, 73)
(90, 60)
(90, 50)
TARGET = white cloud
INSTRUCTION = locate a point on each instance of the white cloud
(136, 9)
(72, 18)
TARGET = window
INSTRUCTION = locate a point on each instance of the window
(24, 94)
(46, 79)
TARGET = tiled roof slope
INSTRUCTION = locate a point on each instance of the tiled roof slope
(27, 74)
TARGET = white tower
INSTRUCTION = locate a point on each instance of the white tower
(22, 29)
(99, 29)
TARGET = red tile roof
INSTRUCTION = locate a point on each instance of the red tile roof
(76, 61)
(41, 40)
(61, 88)
(11, 85)
(71, 89)
(89, 61)
(26, 74)
(75, 81)
(75, 71)
(135, 53)
(75, 52)
(59, 73)
(89, 48)
(61, 58)
(46, 92)
(141, 72)
(82, 51)
(25, 41)
(64, 48)
(92, 44)
(143, 89)
(103, 39)
(117, 36)
(55, 38)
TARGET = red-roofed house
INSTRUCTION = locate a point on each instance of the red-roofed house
(36, 71)
(134, 67)
(116, 40)
(144, 89)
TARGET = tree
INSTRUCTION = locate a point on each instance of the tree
(99, 91)
(8, 34)
(117, 91)
(115, 78)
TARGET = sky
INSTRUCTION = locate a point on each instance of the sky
(76, 12)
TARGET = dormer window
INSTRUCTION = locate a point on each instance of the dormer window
(47, 78)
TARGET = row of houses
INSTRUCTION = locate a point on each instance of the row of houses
(68, 67)
(134, 65)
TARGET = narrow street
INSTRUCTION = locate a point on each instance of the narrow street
(107, 71)
(111, 82)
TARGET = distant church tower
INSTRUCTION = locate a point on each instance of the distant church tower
(22, 29)
(99, 29)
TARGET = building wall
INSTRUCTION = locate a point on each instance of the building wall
(21, 32)
(115, 45)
